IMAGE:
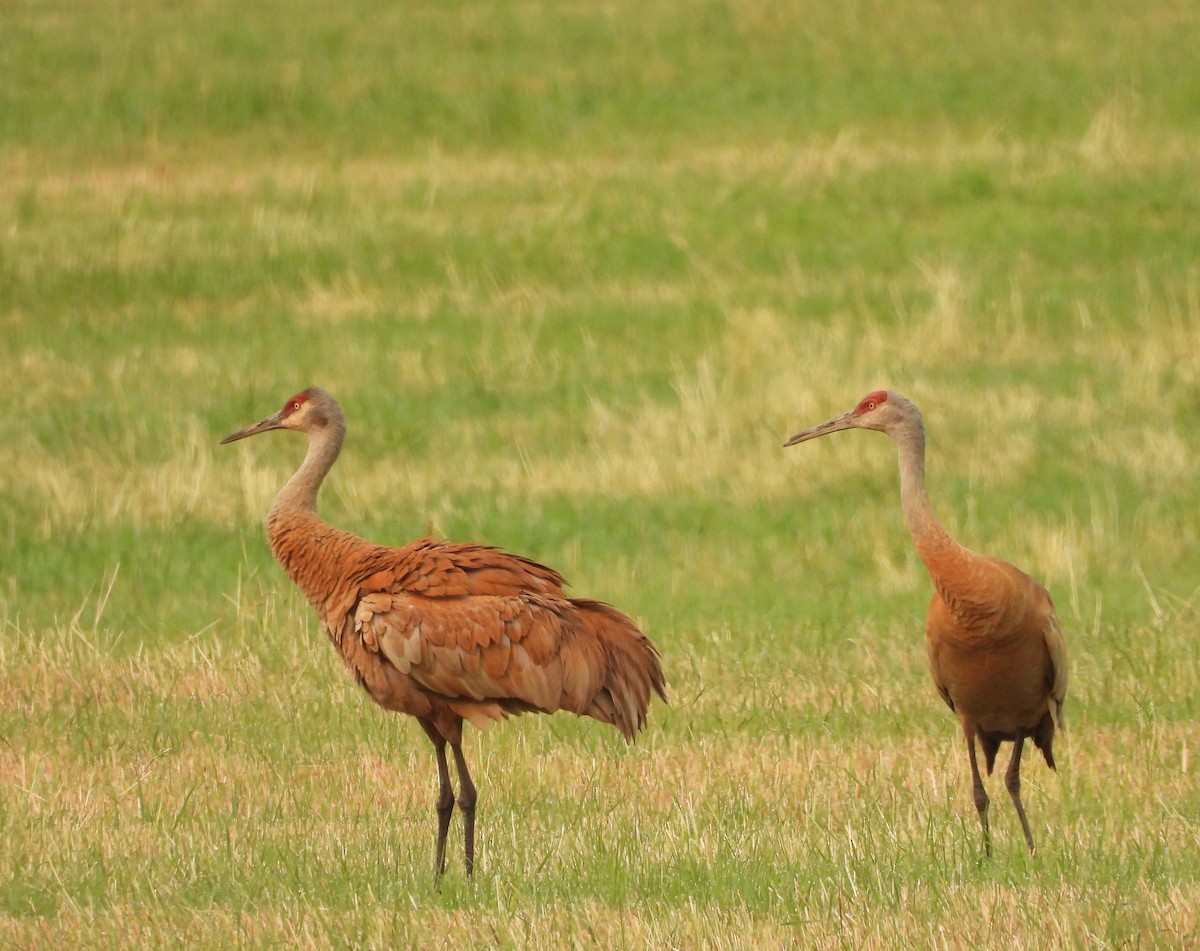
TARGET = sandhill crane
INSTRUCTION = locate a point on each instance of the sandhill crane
(992, 638)
(450, 632)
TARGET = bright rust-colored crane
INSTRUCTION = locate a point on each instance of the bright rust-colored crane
(451, 632)
(992, 638)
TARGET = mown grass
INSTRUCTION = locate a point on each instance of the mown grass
(575, 272)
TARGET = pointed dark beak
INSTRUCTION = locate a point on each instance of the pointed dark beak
(838, 423)
(274, 421)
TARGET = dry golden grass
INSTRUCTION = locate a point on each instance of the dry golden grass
(269, 773)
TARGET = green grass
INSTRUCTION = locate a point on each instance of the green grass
(576, 271)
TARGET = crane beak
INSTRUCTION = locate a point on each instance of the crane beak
(274, 421)
(837, 424)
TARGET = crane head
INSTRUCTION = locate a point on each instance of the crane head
(303, 411)
(881, 410)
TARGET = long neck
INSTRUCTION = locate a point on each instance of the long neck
(299, 495)
(314, 554)
(944, 558)
(918, 514)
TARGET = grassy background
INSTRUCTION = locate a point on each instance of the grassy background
(575, 271)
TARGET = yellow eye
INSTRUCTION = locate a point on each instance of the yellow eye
(295, 405)
(871, 404)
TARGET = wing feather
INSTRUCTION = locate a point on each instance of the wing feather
(491, 633)
(1057, 646)
(476, 648)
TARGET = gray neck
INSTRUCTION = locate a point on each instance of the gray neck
(918, 514)
(934, 545)
(951, 567)
(299, 495)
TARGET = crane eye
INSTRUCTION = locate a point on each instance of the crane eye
(295, 405)
(870, 404)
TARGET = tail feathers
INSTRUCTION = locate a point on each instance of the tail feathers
(606, 668)
(632, 669)
(1043, 737)
(1056, 714)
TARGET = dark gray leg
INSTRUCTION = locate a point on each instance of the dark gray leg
(445, 800)
(981, 796)
(1012, 782)
(466, 803)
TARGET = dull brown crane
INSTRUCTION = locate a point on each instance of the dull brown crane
(451, 632)
(992, 638)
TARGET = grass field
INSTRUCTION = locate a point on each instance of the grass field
(575, 271)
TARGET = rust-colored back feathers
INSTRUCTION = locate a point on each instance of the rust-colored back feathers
(481, 630)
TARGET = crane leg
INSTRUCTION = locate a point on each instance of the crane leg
(445, 800)
(1012, 782)
(981, 796)
(466, 803)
